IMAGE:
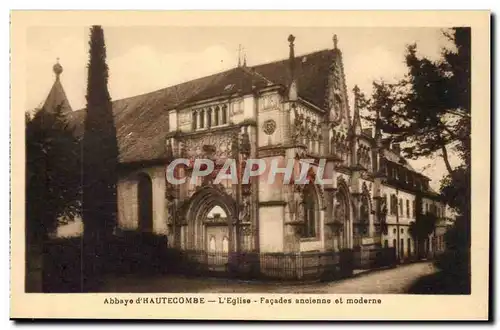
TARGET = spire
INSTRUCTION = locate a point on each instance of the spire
(57, 96)
(335, 41)
(293, 89)
(244, 59)
(357, 119)
(239, 55)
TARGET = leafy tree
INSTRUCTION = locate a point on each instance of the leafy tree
(100, 154)
(53, 190)
(429, 109)
(52, 186)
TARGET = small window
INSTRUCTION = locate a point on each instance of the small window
(402, 231)
(229, 87)
(394, 231)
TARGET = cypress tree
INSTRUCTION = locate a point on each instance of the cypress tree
(100, 153)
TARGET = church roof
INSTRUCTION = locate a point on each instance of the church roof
(141, 120)
(57, 97)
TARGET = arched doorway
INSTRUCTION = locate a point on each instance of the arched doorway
(210, 217)
(145, 203)
(209, 233)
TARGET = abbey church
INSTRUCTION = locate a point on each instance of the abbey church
(294, 108)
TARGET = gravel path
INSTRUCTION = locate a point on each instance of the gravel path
(395, 280)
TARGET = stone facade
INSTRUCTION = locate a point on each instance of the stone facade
(255, 113)
(357, 211)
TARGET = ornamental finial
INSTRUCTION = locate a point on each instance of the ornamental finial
(57, 68)
(335, 41)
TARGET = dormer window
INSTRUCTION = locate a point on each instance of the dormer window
(229, 87)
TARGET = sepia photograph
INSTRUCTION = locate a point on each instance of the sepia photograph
(273, 160)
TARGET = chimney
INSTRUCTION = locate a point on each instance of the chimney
(292, 91)
(396, 148)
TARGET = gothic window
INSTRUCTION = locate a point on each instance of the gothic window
(311, 215)
(209, 117)
(407, 208)
(332, 145)
(400, 207)
(224, 114)
(202, 118)
(216, 115)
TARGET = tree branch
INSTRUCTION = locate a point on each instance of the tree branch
(446, 159)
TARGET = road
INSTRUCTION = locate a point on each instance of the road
(395, 280)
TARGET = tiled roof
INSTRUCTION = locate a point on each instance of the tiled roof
(398, 159)
(311, 71)
(57, 97)
(141, 121)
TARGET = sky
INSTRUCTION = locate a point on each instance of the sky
(144, 59)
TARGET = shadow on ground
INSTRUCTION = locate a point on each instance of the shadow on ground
(441, 283)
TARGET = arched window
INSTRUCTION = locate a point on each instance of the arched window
(310, 212)
(209, 117)
(145, 203)
(202, 118)
(224, 114)
(332, 145)
(217, 115)
(195, 120)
